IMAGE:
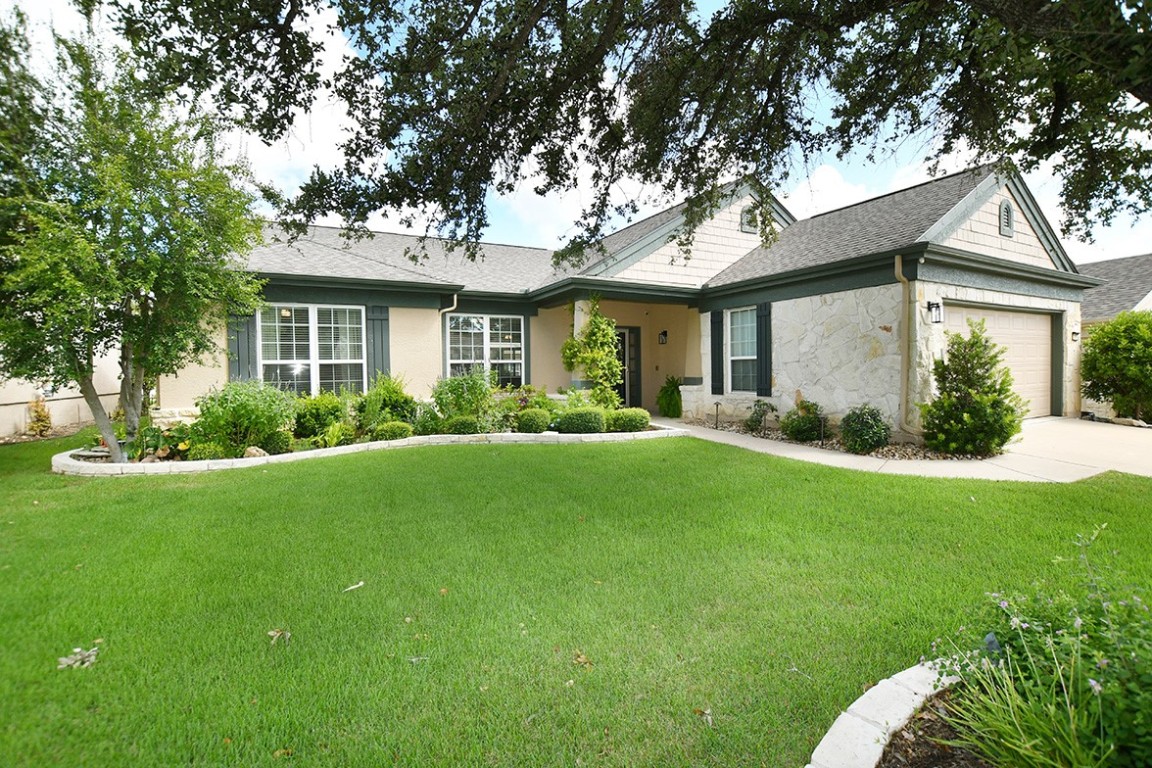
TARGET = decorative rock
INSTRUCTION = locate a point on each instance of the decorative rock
(252, 451)
(149, 459)
(1129, 422)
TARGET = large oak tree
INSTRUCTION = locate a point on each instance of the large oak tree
(453, 100)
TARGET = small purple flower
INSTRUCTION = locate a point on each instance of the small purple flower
(1004, 604)
(1102, 664)
(1095, 686)
(1078, 623)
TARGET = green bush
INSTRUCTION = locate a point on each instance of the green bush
(243, 413)
(209, 451)
(461, 425)
(469, 394)
(627, 420)
(863, 429)
(533, 421)
(593, 350)
(805, 423)
(581, 420)
(668, 400)
(338, 433)
(975, 411)
(277, 442)
(511, 401)
(384, 401)
(427, 421)
(1062, 679)
(315, 414)
(392, 430)
(172, 443)
(760, 411)
(1116, 365)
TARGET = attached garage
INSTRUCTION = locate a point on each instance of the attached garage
(1027, 338)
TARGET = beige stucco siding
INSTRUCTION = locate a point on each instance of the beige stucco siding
(548, 330)
(416, 348)
(718, 244)
(66, 406)
(980, 233)
(177, 395)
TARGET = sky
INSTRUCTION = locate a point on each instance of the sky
(523, 218)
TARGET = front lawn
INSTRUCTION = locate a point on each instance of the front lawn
(666, 602)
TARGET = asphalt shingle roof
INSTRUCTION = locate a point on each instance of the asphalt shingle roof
(324, 252)
(1127, 282)
(883, 223)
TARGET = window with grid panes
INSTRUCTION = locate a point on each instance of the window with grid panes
(311, 349)
(492, 341)
(742, 349)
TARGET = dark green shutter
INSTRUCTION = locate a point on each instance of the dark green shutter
(718, 352)
(377, 341)
(764, 350)
(242, 348)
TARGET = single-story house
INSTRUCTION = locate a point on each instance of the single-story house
(1127, 286)
(843, 308)
(65, 406)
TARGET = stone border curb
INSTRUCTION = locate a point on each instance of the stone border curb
(64, 464)
(859, 736)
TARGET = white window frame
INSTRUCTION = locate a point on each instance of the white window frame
(487, 360)
(729, 358)
(314, 361)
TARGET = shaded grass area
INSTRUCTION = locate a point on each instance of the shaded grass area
(692, 577)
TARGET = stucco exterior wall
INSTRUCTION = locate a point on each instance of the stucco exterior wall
(718, 244)
(657, 361)
(930, 343)
(176, 395)
(980, 233)
(66, 406)
(549, 329)
(416, 348)
(839, 350)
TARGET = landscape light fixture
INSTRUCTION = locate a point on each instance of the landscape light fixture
(936, 312)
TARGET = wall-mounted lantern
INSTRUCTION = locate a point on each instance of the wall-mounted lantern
(1075, 335)
(662, 337)
(935, 312)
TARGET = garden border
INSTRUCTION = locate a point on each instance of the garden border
(859, 736)
(64, 464)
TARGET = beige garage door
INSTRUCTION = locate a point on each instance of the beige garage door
(1028, 339)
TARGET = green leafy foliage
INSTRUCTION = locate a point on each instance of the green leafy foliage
(243, 413)
(511, 401)
(316, 413)
(975, 411)
(461, 425)
(1117, 364)
(39, 418)
(864, 429)
(469, 394)
(386, 400)
(581, 420)
(627, 420)
(120, 226)
(211, 450)
(466, 100)
(593, 351)
(760, 410)
(336, 434)
(805, 423)
(1069, 681)
(171, 443)
(533, 420)
(277, 442)
(392, 430)
(427, 421)
(668, 400)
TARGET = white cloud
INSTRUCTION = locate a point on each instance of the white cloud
(825, 189)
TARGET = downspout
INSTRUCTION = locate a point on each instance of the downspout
(910, 335)
(443, 312)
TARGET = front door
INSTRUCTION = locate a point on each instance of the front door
(628, 353)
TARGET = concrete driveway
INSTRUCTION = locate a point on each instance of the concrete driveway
(1050, 449)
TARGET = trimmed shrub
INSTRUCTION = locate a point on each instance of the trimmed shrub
(384, 401)
(338, 433)
(863, 429)
(427, 421)
(533, 421)
(627, 420)
(461, 425)
(243, 413)
(1117, 364)
(668, 400)
(208, 451)
(277, 442)
(581, 421)
(392, 430)
(976, 412)
(315, 414)
(805, 423)
(39, 418)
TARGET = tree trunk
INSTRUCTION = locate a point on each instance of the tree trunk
(103, 423)
(131, 391)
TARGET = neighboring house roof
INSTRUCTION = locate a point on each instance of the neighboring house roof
(883, 223)
(1128, 282)
(325, 252)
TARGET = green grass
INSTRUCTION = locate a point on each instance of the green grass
(693, 576)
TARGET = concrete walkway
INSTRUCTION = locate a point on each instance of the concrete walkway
(1050, 449)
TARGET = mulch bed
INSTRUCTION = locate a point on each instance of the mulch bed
(918, 745)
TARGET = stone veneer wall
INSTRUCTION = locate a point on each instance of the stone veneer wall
(839, 350)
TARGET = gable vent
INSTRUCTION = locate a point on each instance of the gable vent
(1007, 219)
